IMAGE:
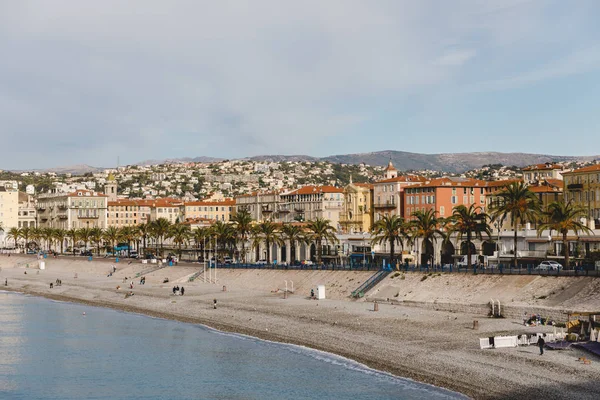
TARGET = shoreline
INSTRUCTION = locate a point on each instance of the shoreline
(422, 344)
(253, 333)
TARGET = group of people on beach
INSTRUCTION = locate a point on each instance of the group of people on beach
(178, 290)
(143, 280)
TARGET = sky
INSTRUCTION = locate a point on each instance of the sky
(90, 82)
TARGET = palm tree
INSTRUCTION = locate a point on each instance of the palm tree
(390, 229)
(14, 234)
(320, 229)
(129, 234)
(426, 226)
(26, 234)
(268, 233)
(144, 231)
(242, 224)
(46, 234)
(518, 203)
(96, 236)
(73, 234)
(59, 235)
(112, 235)
(180, 234)
(224, 234)
(160, 230)
(85, 234)
(295, 234)
(563, 217)
(199, 235)
(469, 222)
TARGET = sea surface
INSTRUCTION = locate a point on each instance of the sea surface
(52, 350)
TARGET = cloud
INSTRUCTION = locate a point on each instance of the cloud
(86, 81)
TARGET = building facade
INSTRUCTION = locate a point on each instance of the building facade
(211, 210)
(357, 213)
(261, 206)
(311, 202)
(582, 187)
(80, 209)
(539, 172)
(27, 214)
(9, 206)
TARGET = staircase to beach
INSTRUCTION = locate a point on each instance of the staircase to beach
(370, 283)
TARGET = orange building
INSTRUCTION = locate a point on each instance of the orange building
(443, 194)
(221, 210)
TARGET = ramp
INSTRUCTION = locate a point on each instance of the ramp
(370, 283)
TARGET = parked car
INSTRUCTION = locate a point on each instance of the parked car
(133, 254)
(86, 253)
(261, 262)
(227, 261)
(307, 262)
(549, 266)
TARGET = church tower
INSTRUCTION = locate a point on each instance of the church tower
(110, 188)
(390, 171)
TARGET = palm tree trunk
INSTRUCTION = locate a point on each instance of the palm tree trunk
(391, 251)
(566, 246)
(469, 250)
(515, 244)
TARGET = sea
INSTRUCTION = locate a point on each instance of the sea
(60, 350)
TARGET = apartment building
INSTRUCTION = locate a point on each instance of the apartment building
(168, 208)
(125, 212)
(443, 194)
(27, 215)
(80, 209)
(357, 213)
(388, 195)
(9, 205)
(212, 210)
(262, 206)
(582, 186)
(311, 202)
(539, 172)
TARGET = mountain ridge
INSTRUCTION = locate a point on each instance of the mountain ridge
(402, 160)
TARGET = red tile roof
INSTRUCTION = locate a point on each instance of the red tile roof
(225, 202)
(542, 167)
(591, 168)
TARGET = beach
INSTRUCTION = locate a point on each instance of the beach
(408, 336)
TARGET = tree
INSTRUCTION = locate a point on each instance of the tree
(199, 235)
(469, 222)
(563, 217)
(321, 230)
(112, 235)
(144, 231)
(224, 234)
(268, 233)
(96, 236)
(25, 233)
(73, 234)
(160, 230)
(390, 229)
(518, 203)
(60, 235)
(180, 234)
(129, 234)
(294, 234)
(14, 234)
(242, 224)
(426, 226)
(85, 234)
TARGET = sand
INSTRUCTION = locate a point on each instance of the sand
(428, 345)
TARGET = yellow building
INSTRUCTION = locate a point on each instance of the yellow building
(9, 205)
(213, 210)
(357, 213)
(582, 186)
(125, 212)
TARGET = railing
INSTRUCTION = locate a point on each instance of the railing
(385, 205)
(370, 283)
(574, 186)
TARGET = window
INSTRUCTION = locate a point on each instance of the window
(453, 200)
(442, 211)
(464, 199)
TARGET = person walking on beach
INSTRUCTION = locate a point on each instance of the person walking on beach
(541, 342)
(182, 290)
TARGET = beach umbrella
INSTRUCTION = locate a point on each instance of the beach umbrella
(593, 335)
(582, 331)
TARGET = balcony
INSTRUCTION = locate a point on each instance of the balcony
(62, 207)
(385, 205)
(62, 216)
(88, 216)
(575, 186)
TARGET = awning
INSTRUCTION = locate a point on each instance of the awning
(590, 239)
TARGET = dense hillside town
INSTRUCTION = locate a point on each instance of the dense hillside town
(352, 199)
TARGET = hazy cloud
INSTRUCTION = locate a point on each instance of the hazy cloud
(83, 82)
